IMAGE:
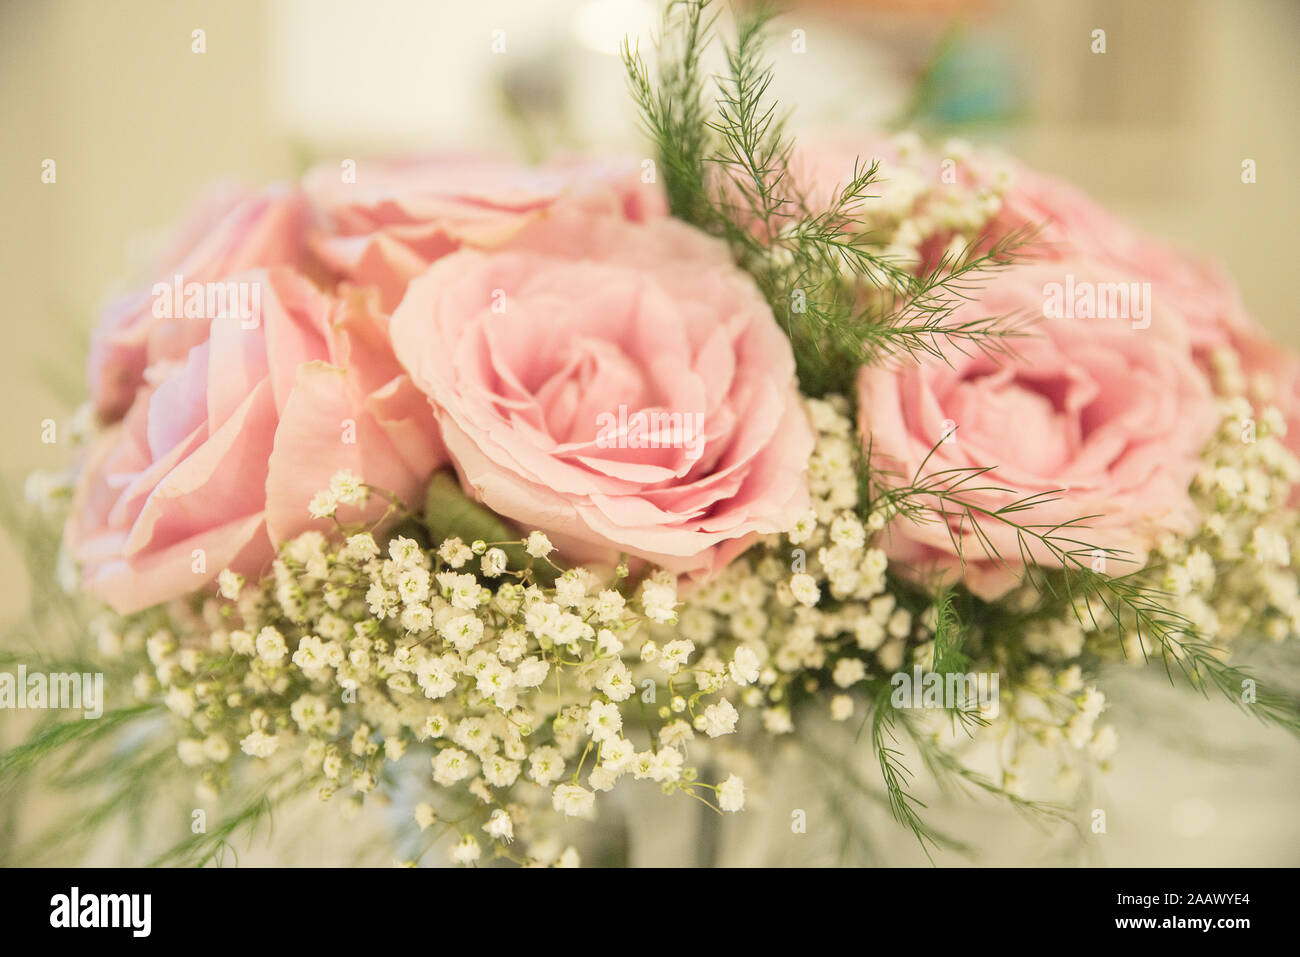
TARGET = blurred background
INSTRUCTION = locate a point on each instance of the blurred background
(141, 103)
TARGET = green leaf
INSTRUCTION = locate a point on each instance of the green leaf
(450, 513)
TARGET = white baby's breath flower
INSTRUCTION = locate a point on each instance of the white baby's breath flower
(609, 605)
(322, 505)
(348, 489)
(841, 707)
(1105, 741)
(804, 588)
(451, 765)
(259, 744)
(616, 682)
(435, 725)
(570, 590)
(454, 552)
(718, 719)
(745, 666)
(659, 598)
(803, 528)
(190, 752)
(271, 646)
(642, 763)
(675, 734)
(500, 826)
(1200, 565)
(360, 548)
(463, 591)
(417, 618)
(308, 711)
(500, 771)
(849, 671)
(424, 815)
(603, 778)
(242, 643)
(616, 753)
(608, 643)
(538, 545)
(1091, 703)
(435, 677)
(573, 801)
(230, 584)
(216, 748)
(1270, 547)
(511, 644)
(731, 794)
(899, 624)
(413, 585)
(847, 531)
(466, 851)
(777, 721)
(546, 765)
(666, 765)
(380, 601)
(531, 672)
(569, 858)
(332, 764)
(494, 679)
(604, 721)
(676, 654)
(310, 655)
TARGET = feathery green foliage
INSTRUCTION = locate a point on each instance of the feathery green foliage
(1057, 560)
(211, 847)
(726, 157)
(51, 738)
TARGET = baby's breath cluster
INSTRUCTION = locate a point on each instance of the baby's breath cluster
(1047, 720)
(809, 608)
(522, 689)
(951, 195)
(816, 623)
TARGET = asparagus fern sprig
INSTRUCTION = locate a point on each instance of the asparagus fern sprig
(1065, 565)
(726, 159)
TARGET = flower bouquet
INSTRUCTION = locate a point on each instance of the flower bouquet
(490, 491)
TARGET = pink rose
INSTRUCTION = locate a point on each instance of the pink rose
(229, 231)
(630, 391)
(219, 456)
(1203, 293)
(1117, 416)
(821, 166)
(385, 228)
(1071, 225)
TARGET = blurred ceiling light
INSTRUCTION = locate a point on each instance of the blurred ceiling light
(601, 25)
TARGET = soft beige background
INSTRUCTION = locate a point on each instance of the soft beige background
(1157, 128)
